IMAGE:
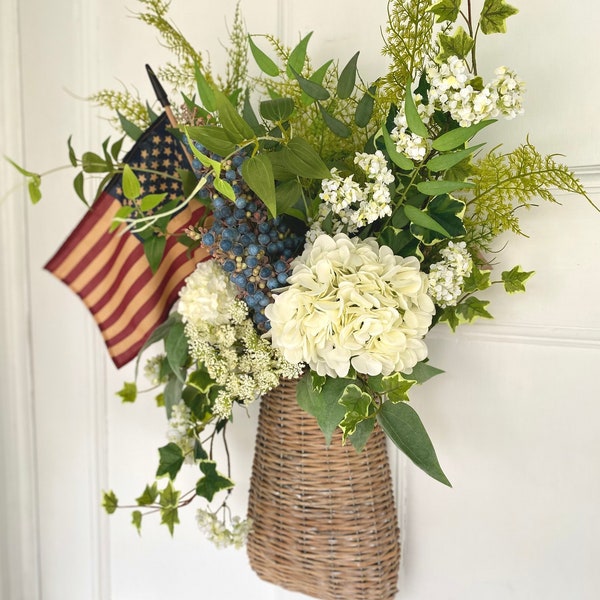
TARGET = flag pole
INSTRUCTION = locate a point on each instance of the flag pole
(162, 97)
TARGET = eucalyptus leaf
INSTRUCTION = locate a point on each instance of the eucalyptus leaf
(457, 137)
(347, 78)
(311, 88)
(130, 129)
(364, 108)
(297, 56)
(440, 186)
(176, 347)
(317, 77)
(412, 115)
(443, 162)
(250, 117)
(78, 186)
(398, 158)
(265, 64)
(448, 213)
(338, 127)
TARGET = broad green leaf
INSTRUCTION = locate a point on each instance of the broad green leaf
(311, 88)
(449, 315)
(199, 452)
(448, 213)
(78, 183)
(171, 460)
(131, 184)
(412, 115)
(364, 108)
(110, 502)
(323, 404)
(358, 406)
(22, 170)
(206, 93)
(92, 163)
(422, 219)
(169, 502)
(472, 308)
(278, 162)
(213, 138)
(212, 482)
(443, 162)
(224, 188)
(250, 117)
(398, 158)
(479, 279)
(303, 160)
(215, 165)
(446, 10)
(128, 392)
(440, 186)
(72, 155)
(347, 78)
(35, 193)
(277, 110)
(288, 194)
(151, 201)
(172, 393)
(136, 520)
(514, 280)
(115, 149)
(338, 127)
(201, 380)
(258, 174)
(404, 427)
(154, 248)
(361, 435)
(148, 496)
(459, 44)
(298, 56)
(237, 129)
(265, 64)
(423, 371)
(176, 346)
(457, 137)
(494, 14)
(130, 129)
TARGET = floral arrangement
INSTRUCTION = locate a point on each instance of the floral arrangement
(346, 219)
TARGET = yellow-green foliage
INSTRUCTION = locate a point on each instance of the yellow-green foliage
(126, 103)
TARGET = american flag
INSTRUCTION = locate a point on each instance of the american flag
(110, 272)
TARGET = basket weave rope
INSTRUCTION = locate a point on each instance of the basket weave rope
(325, 521)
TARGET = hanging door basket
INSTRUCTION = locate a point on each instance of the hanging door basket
(325, 520)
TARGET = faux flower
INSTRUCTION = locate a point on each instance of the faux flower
(352, 303)
(446, 277)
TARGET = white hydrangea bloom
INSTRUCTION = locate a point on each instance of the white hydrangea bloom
(446, 277)
(181, 430)
(352, 303)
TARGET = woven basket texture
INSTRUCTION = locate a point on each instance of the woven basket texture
(325, 520)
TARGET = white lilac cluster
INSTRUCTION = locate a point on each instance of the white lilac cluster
(182, 430)
(355, 205)
(219, 533)
(352, 303)
(451, 90)
(446, 277)
(410, 144)
(225, 341)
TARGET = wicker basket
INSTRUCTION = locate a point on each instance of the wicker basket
(325, 521)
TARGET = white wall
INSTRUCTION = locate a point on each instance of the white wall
(514, 419)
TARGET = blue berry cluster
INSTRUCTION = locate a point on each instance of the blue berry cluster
(252, 248)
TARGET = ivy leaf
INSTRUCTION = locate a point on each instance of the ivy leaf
(494, 14)
(446, 10)
(128, 392)
(471, 309)
(361, 436)
(395, 386)
(404, 427)
(357, 405)
(136, 520)
(110, 502)
(169, 500)
(258, 174)
(422, 221)
(265, 64)
(449, 315)
(148, 496)
(444, 210)
(459, 44)
(323, 404)
(347, 78)
(212, 482)
(478, 280)
(514, 280)
(171, 460)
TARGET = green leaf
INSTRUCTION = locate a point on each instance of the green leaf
(265, 64)
(115, 149)
(494, 14)
(172, 393)
(128, 392)
(151, 201)
(364, 108)
(404, 427)
(340, 129)
(457, 137)
(169, 500)
(288, 194)
(201, 380)
(72, 155)
(514, 280)
(136, 520)
(298, 56)
(78, 183)
(423, 371)
(478, 280)
(447, 212)
(361, 436)
(131, 184)
(250, 117)
(422, 219)
(311, 88)
(176, 347)
(258, 174)
(323, 404)
(237, 129)
(449, 315)
(317, 77)
(154, 248)
(224, 188)
(412, 115)
(444, 162)
(398, 158)
(110, 502)
(277, 110)
(148, 496)
(459, 44)
(212, 482)
(440, 186)
(130, 129)
(347, 78)
(214, 138)
(358, 407)
(171, 460)
(446, 10)
(395, 386)
(472, 308)
(206, 93)
(35, 193)
(302, 159)
(92, 163)
(22, 170)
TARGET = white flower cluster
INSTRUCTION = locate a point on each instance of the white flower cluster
(182, 430)
(355, 205)
(219, 533)
(410, 144)
(451, 91)
(152, 370)
(446, 278)
(353, 303)
(224, 340)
